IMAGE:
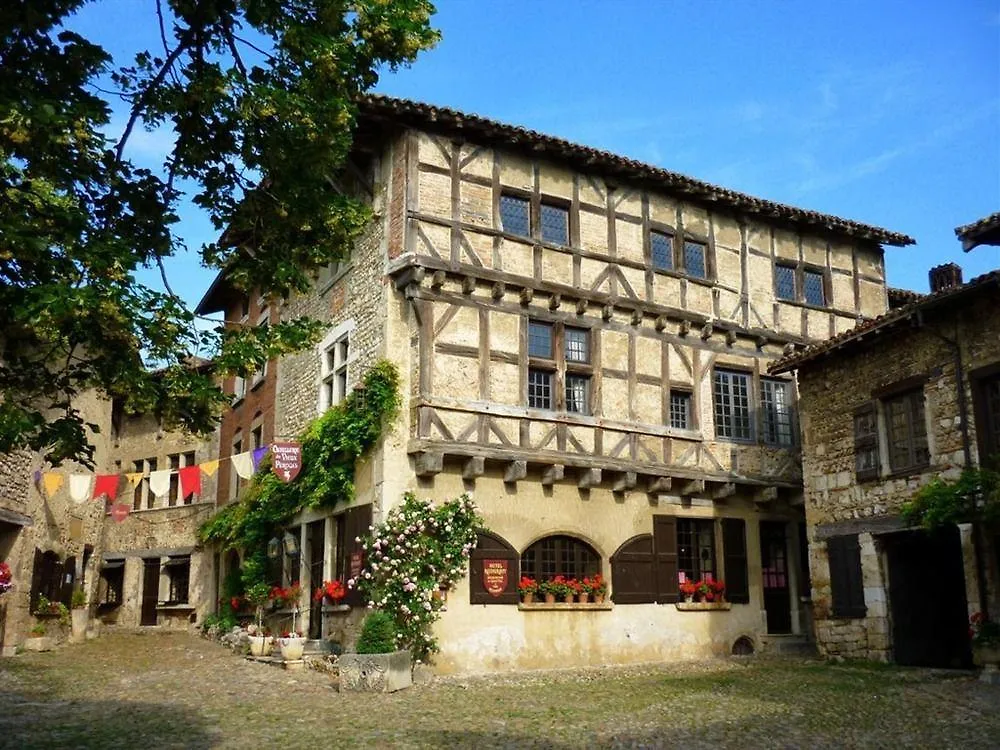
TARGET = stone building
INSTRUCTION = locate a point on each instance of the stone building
(887, 406)
(584, 343)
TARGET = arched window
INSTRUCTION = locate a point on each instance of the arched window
(560, 555)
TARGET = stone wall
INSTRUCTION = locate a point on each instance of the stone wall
(830, 390)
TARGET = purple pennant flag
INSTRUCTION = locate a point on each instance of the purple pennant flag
(258, 456)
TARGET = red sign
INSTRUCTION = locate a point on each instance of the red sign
(495, 576)
(356, 560)
(119, 512)
(286, 460)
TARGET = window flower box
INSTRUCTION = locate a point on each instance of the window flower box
(565, 606)
(703, 606)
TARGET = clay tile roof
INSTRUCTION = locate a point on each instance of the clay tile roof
(450, 121)
(843, 340)
(986, 231)
(899, 297)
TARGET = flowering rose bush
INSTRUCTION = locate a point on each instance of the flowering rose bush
(417, 551)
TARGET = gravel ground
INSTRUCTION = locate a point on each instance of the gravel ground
(177, 691)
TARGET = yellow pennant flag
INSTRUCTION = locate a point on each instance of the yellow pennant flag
(52, 481)
(210, 467)
(134, 477)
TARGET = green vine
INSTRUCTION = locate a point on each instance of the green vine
(331, 445)
(418, 551)
(973, 497)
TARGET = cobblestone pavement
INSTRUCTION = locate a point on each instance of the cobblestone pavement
(177, 691)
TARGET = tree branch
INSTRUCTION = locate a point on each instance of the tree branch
(163, 37)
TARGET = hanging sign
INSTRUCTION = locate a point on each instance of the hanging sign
(495, 576)
(119, 512)
(286, 460)
(357, 558)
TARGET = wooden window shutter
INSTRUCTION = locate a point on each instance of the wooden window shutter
(356, 522)
(734, 549)
(846, 583)
(632, 575)
(665, 558)
(493, 547)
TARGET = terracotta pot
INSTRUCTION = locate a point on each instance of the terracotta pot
(569, 598)
(583, 597)
(598, 598)
(550, 598)
(529, 597)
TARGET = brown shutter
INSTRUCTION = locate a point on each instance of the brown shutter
(356, 522)
(847, 587)
(493, 547)
(632, 577)
(734, 550)
(665, 558)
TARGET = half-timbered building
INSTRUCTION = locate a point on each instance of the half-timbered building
(584, 342)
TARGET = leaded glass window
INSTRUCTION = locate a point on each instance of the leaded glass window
(680, 410)
(661, 246)
(577, 394)
(515, 215)
(577, 345)
(784, 282)
(813, 288)
(539, 389)
(731, 394)
(555, 224)
(694, 259)
(776, 405)
(539, 340)
(906, 431)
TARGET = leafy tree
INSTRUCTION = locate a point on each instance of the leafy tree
(261, 98)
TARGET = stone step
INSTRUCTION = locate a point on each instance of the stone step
(317, 647)
(788, 645)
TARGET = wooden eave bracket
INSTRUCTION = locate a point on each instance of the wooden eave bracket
(552, 474)
(588, 478)
(688, 487)
(515, 471)
(474, 467)
(428, 463)
(624, 481)
(765, 495)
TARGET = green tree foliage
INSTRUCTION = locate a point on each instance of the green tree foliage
(378, 634)
(973, 497)
(260, 97)
(331, 445)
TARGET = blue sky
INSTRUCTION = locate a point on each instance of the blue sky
(882, 112)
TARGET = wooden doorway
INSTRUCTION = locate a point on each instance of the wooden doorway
(927, 598)
(316, 536)
(150, 590)
(774, 575)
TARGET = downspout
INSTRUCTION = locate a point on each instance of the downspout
(963, 415)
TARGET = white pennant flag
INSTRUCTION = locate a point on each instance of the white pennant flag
(243, 463)
(159, 482)
(79, 487)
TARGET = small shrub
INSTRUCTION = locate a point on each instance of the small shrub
(79, 600)
(378, 634)
(38, 630)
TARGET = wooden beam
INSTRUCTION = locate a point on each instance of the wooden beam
(428, 464)
(722, 491)
(657, 485)
(691, 487)
(624, 481)
(588, 478)
(765, 495)
(553, 474)
(474, 467)
(516, 470)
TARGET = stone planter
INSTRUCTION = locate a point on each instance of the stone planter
(261, 645)
(375, 673)
(292, 648)
(80, 618)
(39, 643)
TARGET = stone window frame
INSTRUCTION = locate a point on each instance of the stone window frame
(562, 554)
(327, 376)
(986, 413)
(111, 587)
(559, 368)
(175, 571)
(911, 390)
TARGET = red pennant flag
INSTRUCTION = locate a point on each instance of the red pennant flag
(190, 480)
(106, 484)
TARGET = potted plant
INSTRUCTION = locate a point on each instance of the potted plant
(292, 645)
(331, 591)
(38, 640)
(559, 586)
(80, 616)
(985, 635)
(548, 593)
(260, 644)
(580, 589)
(597, 586)
(6, 578)
(376, 665)
(688, 589)
(527, 588)
(285, 597)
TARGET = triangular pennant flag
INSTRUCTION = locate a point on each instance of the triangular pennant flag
(258, 456)
(243, 463)
(79, 487)
(190, 480)
(210, 467)
(120, 511)
(135, 477)
(52, 481)
(106, 484)
(159, 482)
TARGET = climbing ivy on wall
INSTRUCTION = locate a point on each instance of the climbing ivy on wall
(974, 496)
(331, 444)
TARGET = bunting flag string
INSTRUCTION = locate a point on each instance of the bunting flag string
(84, 486)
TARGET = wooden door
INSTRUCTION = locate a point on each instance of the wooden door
(150, 591)
(774, 575)
(317, 550)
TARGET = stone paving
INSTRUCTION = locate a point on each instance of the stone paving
(176, 691)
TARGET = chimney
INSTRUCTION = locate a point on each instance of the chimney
(945, 276)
